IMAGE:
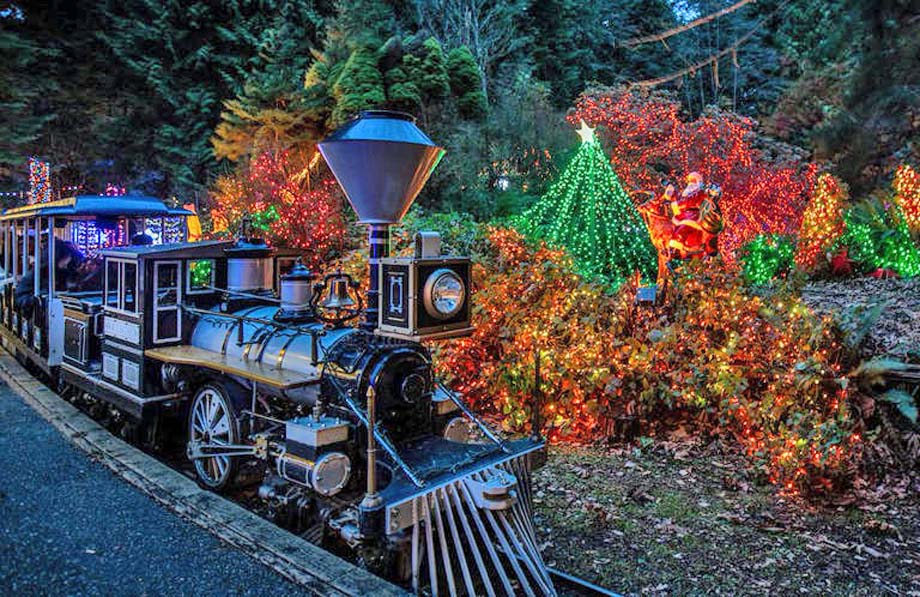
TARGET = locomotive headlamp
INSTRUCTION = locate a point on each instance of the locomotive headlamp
(425, 297)
(444, 294)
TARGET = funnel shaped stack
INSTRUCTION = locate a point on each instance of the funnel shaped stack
(382, 161)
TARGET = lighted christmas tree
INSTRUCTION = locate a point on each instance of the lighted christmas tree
(907, 196)
(588, 212)
(822, 223)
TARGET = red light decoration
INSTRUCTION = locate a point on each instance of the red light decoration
(649, 144)
(822, 223)
(907, 196)
(274, 184)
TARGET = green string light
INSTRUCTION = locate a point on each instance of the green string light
(588, 212)
(766, 257)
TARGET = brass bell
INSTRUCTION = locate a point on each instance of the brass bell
(338, 297)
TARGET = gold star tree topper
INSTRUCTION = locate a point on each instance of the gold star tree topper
(585, 132)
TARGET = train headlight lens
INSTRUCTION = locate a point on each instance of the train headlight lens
(444, 294)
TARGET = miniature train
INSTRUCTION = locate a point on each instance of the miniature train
(257, 356)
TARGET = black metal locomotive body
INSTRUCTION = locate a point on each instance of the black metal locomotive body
(351, 439)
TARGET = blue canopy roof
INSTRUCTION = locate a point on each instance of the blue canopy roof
(97, 205)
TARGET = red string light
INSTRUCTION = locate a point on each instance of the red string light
(649, 143)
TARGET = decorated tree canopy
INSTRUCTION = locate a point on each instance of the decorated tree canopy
(822, 223)
(588, 212)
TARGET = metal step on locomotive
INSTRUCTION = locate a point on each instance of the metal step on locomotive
(345, 425)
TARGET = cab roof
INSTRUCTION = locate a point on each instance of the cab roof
(130, 205)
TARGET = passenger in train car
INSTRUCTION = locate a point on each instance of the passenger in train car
(68, 260)
(139, 234)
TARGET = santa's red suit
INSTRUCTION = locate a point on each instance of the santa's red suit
(688, 236)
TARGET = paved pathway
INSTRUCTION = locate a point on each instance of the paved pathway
(68, 526)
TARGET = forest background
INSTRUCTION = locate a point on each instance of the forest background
(183, 99)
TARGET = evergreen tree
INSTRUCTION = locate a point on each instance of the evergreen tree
(358, 87)
(575, 43)
(275, 111)
(22, 124)
(587, 211)
(189, 57)
(466, 83)
(431, 75)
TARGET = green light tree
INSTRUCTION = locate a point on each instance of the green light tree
(588, 212)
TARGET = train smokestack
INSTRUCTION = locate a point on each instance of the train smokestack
(381, 160)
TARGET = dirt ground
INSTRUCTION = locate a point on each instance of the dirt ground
(895, 332)
(676, 519)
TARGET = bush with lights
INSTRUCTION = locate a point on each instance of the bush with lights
(273, 191)
(823, 222)
(878, 239)
(761, 370)
(767, 257)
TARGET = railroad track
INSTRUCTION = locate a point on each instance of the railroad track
(229, 523)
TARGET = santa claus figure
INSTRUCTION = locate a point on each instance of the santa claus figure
(688, 236)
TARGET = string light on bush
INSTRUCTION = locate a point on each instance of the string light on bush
(822, 223)
(907, 196)
(588, 212)
(879, 239)
(766, 257)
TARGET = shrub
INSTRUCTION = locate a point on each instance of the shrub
(767, 257)
(877, 238)
(762, 370)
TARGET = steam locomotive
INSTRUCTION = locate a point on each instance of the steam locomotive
(349, 435)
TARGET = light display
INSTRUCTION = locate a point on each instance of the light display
(90, 237)
(822, 223)
(39, 181)
(877, 238)
(263, 220)
(165, 230)
(723, 357)
(907, 196)
(650, 144)
(766, 257)
(588, 212)
(201, 274)
(272, 191)
(113, 190)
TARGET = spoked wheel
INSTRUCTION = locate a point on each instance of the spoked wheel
(213, 422)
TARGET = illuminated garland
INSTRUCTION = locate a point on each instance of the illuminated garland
(587, 211)
(822, 223)
(39, 181)
(907, 196)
